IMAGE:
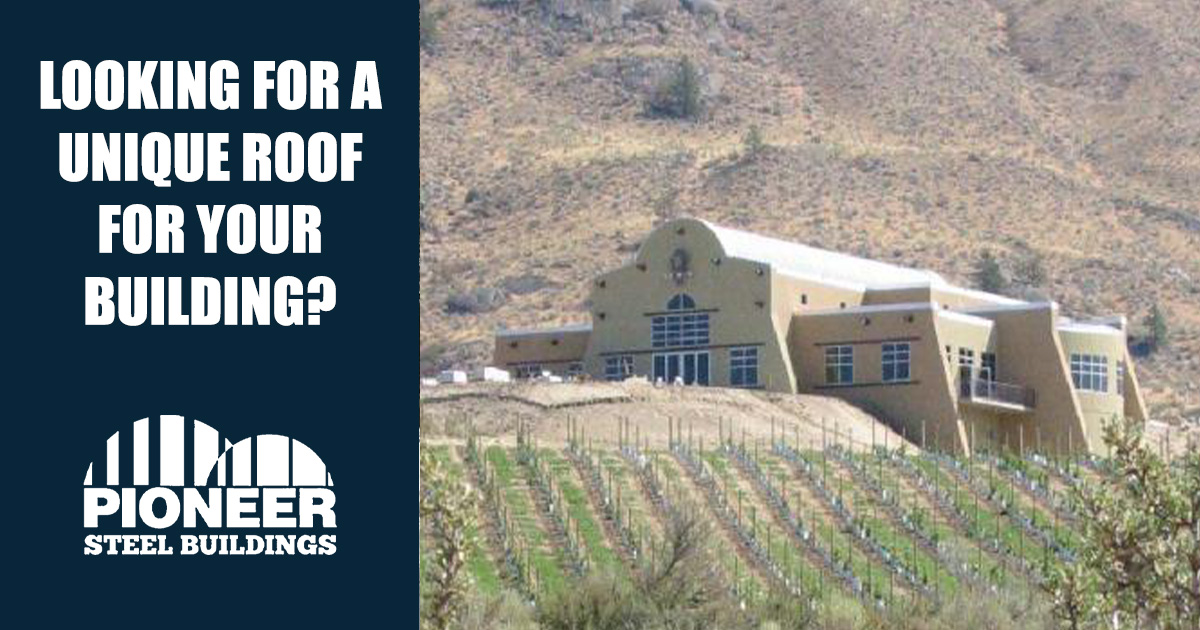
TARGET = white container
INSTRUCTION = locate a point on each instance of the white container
(429, 382)
(452, 377)
(491, 375)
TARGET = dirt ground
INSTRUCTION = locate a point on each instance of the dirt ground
(494, 412)
(1170, 439)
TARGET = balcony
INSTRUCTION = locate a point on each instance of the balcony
(1003, 397)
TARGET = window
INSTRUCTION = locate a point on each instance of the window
(575, 370)
(988, 373)
(804, 299)
(966, 371)
(839, 365)
(618, 368)
(897, 363)
(681, 302)
(528, 371)
(1090, 372)
(679, 331)
(1121, 378)
(743, 367)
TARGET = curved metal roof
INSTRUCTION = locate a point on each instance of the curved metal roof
(818, 264)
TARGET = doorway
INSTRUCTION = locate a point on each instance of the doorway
(691, 367)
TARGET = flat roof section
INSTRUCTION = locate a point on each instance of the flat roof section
(545, 332)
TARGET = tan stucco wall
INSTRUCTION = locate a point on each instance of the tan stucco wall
(554, 351)
(1029, 353)
(1098, 407)
(740, 292)
(922, 407)
(794, 296)
(898, 296)
(945, 297)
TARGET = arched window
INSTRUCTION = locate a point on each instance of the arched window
(681, 302)
(679, 328)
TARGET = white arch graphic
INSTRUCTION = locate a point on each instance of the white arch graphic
(265, 460)
(269, 460)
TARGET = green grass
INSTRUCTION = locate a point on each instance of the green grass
(896, 540)
(1004, 486)
(985, 524)
(600, 554)
(479, 563)
(547, 565)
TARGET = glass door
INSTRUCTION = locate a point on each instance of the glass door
(692, 368)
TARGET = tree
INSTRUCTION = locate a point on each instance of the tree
(1157, 334)
(446, 509)
(678, 96)
(988, 274)
(1139, 564)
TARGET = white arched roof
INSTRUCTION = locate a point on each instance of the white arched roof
(818, 264)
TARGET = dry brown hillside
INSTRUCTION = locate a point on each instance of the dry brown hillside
(913, 131)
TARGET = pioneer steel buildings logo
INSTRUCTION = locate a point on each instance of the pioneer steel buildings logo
(159, 476)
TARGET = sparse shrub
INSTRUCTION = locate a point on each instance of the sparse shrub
(506, 611)
(481, 300)
(651, 9)
(678, 96)
(753, 145)
(1157, 333)
(423, 213)
(678, 591)
(428, 24)
(1031, 271)
(988, 275)
(1011, 607)
(597, 602)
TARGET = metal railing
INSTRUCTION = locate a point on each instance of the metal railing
(985, 390)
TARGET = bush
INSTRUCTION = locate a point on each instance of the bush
(1139, 564)
(1157, 333)
(678, 96)
(1030, 271)
(428, 23)
(1013, 607)
(988, 274)
(598, 602)
(506, 611)
(446, 510)
(481, 300)
(753, 145)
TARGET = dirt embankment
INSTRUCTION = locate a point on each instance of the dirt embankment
(495, 411)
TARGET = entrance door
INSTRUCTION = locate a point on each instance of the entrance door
(691, 367)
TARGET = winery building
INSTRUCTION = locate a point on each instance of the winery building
(705, 305)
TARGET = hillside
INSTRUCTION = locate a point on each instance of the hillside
(916, 132)
(495, 413)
